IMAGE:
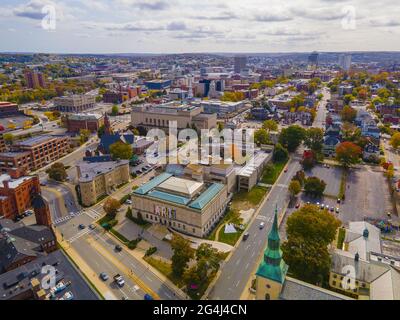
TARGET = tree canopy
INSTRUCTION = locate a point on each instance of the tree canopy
(348, 153)
(120, 150)
(292, 137)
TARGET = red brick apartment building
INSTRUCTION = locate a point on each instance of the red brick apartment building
(17, 192)
(3, 147)
(91, 122)
(35, 153)
(8, 109)
(34, 79)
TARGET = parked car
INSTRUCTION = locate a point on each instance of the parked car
(298, 205)
(119, 280)
(339, 201)
(128, 201)
(92, 227)
(337, 210)
(118, 248)
(246, 236)
(104, 276)
(82, 227)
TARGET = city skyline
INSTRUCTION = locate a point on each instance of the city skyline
(184, 26)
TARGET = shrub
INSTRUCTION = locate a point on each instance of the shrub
(151, 251)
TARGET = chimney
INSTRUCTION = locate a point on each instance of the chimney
(6, 184)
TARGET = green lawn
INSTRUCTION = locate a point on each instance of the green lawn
(272, 172)
(229, 238)
(254, 196)
(166, 269)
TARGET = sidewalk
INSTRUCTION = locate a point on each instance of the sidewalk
(82, 266)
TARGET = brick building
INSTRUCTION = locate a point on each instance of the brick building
(35, 153)
(3, 147)
(88, 121)
(34, 79)
(16, 193)
(8, 109)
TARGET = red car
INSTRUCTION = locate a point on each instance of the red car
(298, 205)
(286, 170)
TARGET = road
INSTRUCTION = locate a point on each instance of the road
(236, 272)
(319, 120)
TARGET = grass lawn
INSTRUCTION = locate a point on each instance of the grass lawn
(341, 236)
(272, 172)
(120, 236)
(166, 269)
(254, 197)
(229, 238)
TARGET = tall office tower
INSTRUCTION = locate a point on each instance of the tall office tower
(34, 79)
(345, 61)
(313, 59)
(240, 63)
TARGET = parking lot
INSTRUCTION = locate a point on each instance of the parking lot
(331, 175)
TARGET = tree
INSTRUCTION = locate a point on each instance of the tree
(348, 98)
(309, 160)
(120, 150)
(111, 207)
(270, 125)
(8, 138)
(314, 187)
(280, 153)
(314, 139)
(300, 176)
(348, 153)
(115, 110)
(292, 137)
(182, 254)
(261, 136)
(309, 232)
(394, 141)
(294, 188)
(57, 172)
(210, 254)
(348, 114)
(84, 135)
(101, 131)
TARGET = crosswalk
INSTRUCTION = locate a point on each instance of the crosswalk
(89, 212)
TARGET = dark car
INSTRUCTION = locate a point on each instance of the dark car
(104, 276)
(148, 297)
(82, 226)
(246, 236)
(118, 248)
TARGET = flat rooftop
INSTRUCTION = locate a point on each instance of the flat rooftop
(181, 186)
(90, 170)
(36, 140)
(13, 183)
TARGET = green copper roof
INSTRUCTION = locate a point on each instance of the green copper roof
(144, 189)
(206, 196)
(273, 267)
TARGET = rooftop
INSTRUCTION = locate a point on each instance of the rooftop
(13, 183)
(180, 186)
(90, 170)
(36, 140)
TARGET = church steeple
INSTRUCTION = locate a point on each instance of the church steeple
(107, 125)
(272, 270)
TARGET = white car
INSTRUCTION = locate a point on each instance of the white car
(262, 225)
(128, 201)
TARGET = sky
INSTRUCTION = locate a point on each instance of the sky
(182, 26)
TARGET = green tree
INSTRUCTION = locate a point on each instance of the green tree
(314, 187)
(261, 136)
(280, 153)
(8, 138)
(292, 137)
(182, 254)
(270, 125)
(348, 153)
(115, 110)
(309, 232)
(294, 188)
(101, 131)
(120, 150)
(111, 207)
(314, 139)
(394, 141)
(84, 135)
(57, 172)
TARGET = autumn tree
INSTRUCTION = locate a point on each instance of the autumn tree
(182, 254)
(294, 188)
(348, 114)
(348, 153)
(309, 232)
(111, 207)
(270, 125)
(395, 140)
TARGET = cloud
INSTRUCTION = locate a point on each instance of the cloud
(221, 16)
(272, 17)
(32, 10)
(175, 26)
(319, 13)
(384, 22)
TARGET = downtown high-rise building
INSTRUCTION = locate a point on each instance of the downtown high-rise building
(313, 59)
(34, 79)
(240, 63)
(345, 61)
